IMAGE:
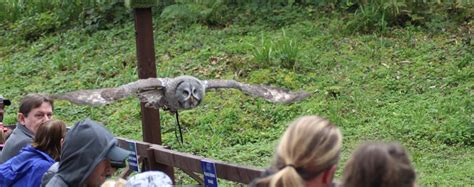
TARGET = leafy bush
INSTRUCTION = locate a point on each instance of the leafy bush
(180, 13)
(377, 15)
(32, 19)
(104, 16)
(368, 19)
(185, 13)
(31, 28)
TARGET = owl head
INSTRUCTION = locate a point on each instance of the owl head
(185, 92)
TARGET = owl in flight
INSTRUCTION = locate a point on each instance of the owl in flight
(173, 94)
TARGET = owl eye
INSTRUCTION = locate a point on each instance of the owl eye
(194, 91)
(185, 92)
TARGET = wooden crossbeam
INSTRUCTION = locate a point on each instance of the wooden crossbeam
(142, 147)
(192, 163)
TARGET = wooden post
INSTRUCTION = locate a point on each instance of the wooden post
(147, 68)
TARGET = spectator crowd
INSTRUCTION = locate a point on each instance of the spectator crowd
(42, 151)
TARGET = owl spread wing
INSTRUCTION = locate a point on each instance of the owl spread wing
(272, 94)
(97, 97)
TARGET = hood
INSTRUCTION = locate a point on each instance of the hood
(85, 145)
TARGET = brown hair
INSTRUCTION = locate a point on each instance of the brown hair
(309, 146)
(31, 101)
(379, 164)
(48, 137)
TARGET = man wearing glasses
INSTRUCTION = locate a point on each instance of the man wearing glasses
(34, 110)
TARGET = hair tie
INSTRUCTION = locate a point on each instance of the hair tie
(288, 165)
(291, 165)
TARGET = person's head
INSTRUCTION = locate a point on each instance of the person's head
(101, 172)
(3, 102)
(34, 110)
(149, 178)
(114, 183)
(91, 150)
(49, 136)
(307, 154)
(379, 164)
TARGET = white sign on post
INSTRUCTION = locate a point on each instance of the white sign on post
(133, 158)
(209, 171)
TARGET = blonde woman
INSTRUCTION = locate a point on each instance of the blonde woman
(306, 156)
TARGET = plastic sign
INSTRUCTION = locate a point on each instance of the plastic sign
(133, 158)
(209, 171)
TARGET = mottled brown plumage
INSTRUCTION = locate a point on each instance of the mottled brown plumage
(183, 92)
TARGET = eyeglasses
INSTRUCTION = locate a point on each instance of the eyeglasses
(41, 115)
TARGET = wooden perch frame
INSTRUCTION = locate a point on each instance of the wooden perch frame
(152, 154)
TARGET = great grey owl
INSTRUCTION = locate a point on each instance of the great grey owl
(173, 94)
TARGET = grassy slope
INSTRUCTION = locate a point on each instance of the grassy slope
(407, 86)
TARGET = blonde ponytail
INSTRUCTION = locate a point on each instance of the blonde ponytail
(309, 146)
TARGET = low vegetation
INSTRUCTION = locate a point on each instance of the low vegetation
(379, 71)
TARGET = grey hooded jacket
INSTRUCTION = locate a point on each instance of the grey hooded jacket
(19, 138)
(85, 146)
(49, 174)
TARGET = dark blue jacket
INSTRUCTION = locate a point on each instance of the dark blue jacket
(26, 168)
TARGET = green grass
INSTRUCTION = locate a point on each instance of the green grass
(408, 85)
